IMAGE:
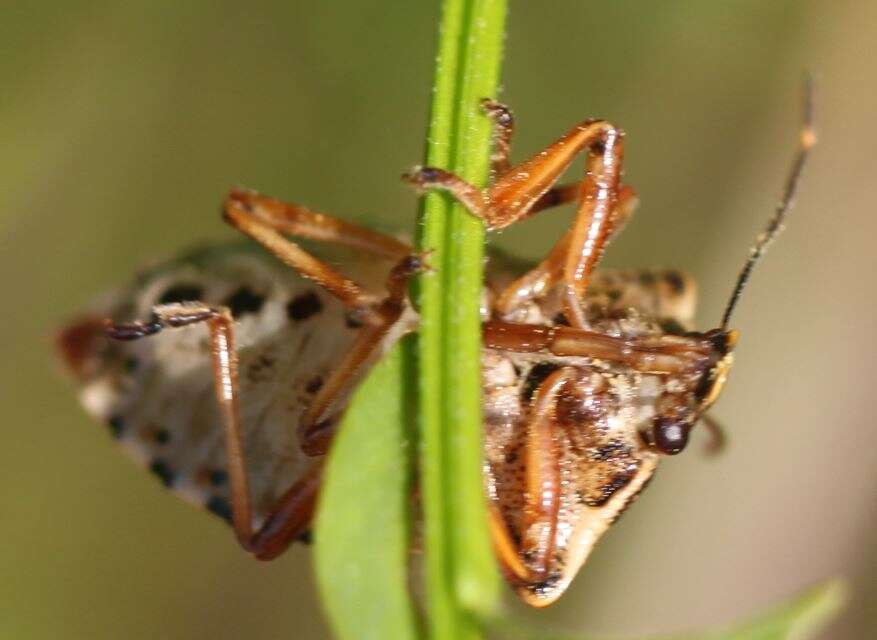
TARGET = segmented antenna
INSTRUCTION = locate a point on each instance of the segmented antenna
(775, 224)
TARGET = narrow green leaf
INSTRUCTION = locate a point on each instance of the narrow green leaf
(461, 574)
(799, 618)
(362, 530)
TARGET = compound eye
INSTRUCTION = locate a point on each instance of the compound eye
(670, 436)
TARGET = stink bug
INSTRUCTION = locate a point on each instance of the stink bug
(589, 377)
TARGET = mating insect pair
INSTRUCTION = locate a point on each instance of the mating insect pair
(589, 377)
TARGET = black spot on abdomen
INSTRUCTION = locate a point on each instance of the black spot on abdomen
(221, 507)
(116, 424)
(181, 293)
(608, 489)
(304, 306)
(218, 477)
(244, 301)
(675, 281)
(160, 469)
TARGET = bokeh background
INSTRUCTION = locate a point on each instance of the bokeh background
(123, 124)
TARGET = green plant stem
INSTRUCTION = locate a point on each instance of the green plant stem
(461, 575)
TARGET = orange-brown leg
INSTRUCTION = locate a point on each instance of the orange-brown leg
(297, 220)
(315, 429)
(591, 229)
(513, 195)
(265, 220)
(290, 517)
(543, 475)
(531, 561)
(225, 375)
(548, 272)
(503, 130)
(506, 550)
(349, 292)
(660, 354)
(292, 514)
(472, 197)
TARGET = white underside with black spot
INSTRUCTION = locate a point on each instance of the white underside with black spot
(157, 393)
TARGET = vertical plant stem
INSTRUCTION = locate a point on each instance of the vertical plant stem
(461, 574)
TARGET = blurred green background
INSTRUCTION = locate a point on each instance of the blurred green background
(123, 124)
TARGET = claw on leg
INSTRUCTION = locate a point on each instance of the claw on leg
(503, 129)
(178, 314)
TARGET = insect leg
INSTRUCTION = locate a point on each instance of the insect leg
(315, 430)
(548, 272)
(517, 191)
(297, 220)
(503, 129)
(506, 549)
(266, 224)
(661, 354)
(474, 199)
(543, 475)
(290, 517)
(539, 534)
(350, 293)
(292, 514)
(470, 196)
(225, 374)
(593, 223)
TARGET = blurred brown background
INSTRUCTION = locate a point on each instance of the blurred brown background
(123, 124)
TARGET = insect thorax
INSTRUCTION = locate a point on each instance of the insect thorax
(603, 417)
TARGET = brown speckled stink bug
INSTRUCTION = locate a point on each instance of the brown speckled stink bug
(589, 377)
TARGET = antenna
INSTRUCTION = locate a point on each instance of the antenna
(775, 224)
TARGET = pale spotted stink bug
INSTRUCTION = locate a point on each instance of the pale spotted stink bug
(589, 377)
